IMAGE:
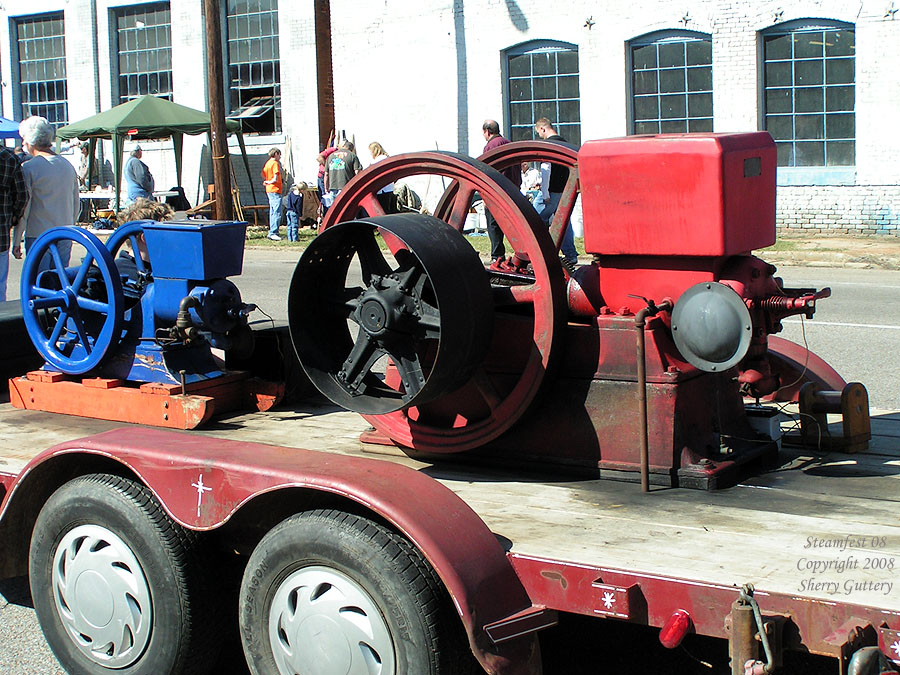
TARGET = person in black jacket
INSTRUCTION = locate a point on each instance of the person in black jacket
(558, 177)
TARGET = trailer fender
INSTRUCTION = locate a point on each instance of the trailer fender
(797, 365)
(202, 482)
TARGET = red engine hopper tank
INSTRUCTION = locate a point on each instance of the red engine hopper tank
(663, 213)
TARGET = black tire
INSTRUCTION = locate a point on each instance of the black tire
(103, 549)
(376, 576)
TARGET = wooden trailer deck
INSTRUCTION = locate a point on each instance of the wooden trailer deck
(777, 530)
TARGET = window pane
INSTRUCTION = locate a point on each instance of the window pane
(646, 128)
(571, 132)
(840, 126)
(568, 87)
(785, 154)
(779, 100)
(699, 53)
(567, 62)
(644, 57)
(778, 47)
(520, 134)
(544, 87)
(700, 105)
(841, 153)
(808, 45)
(569, 111)
(778, 75)
(840, 43)
(520, 113)
(840, 98)
(673, 127)
(671, 80)
(672, 106)
(520, 90)
(839, 71)
(699, 79)
(808, 72)
(520, 65)
(809, 126)
(700, 125)
(671, 54)
(809, 99)
(543, 64)
(780, 126)
(645, 82)
(646, 108)
(809, 154)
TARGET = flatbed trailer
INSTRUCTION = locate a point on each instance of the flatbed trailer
(817, 538)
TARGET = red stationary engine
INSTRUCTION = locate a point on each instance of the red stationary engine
(656, 343)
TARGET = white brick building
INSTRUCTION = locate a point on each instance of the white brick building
(821, 75)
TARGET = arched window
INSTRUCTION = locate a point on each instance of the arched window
(671, 83)
(41, 54)
(542, 81)
(810, 93)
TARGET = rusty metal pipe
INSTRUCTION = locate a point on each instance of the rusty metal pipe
(640, 322)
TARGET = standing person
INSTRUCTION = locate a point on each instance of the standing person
(555, 186)
(13, 195)
(52, 185)
(322, 159)
(84, 180)
(343, 165)
(293, 210)
(491, 132)
(138, 179)
(385, 195)
(271, 174)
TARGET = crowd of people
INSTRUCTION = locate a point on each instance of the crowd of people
(40, 190)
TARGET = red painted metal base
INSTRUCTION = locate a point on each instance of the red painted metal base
(160, 405)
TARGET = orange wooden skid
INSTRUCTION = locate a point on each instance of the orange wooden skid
(158, 405)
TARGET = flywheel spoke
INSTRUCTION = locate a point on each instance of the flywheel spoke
(362, 357)
(461, 205)
(346, 302)
(372, 206)
(82, 272)
(136, 251)
(58, 328)
(60, 268)
(407, 361)
(565, 208)
(430, 321)
(82, 334)
(92, 305)
(486, 389)
(371, 259)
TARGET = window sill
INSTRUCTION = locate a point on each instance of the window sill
(816, 175)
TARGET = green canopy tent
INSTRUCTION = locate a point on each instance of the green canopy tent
(147, 117)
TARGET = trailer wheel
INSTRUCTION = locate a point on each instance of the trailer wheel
(327, 592)
(116, 584)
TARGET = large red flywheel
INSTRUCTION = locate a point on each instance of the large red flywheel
(503, 377)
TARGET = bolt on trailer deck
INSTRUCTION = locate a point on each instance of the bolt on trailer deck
(816, 541)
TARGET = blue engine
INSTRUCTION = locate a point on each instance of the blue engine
(149, 315)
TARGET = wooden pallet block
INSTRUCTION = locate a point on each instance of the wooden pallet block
(160, 405)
